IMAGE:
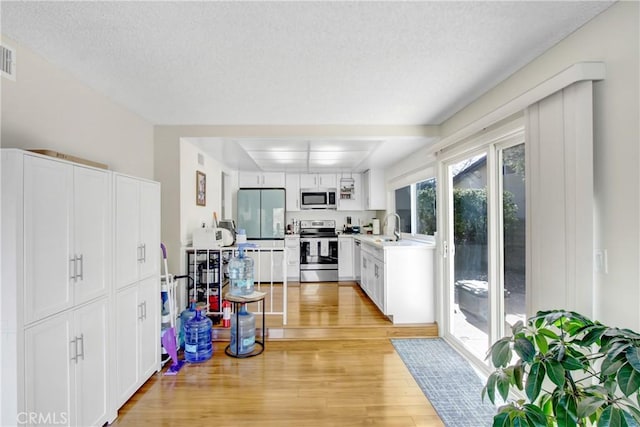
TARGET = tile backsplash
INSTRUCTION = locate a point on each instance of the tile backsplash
(357, 217)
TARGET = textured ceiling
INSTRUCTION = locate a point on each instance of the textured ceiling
(293, 63)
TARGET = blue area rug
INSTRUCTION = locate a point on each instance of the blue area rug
(448, 380)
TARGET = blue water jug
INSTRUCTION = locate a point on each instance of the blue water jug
(198, 345)
(185, 316)
(244, 331)
(241, 273)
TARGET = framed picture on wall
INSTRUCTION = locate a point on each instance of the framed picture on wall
(201, 189)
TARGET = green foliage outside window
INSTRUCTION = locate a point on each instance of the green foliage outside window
(470, 219)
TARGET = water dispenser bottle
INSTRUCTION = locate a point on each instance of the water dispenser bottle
(185, 316)
(241, 272)
(198, 345)
(244, 333)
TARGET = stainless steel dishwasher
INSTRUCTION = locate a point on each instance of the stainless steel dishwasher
(356, 259)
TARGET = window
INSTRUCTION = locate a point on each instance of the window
(416, 205)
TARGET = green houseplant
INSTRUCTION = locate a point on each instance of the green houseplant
(574, 372)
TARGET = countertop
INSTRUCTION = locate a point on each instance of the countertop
(388, 242)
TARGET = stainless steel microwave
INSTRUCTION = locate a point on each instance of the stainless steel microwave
(314, 198)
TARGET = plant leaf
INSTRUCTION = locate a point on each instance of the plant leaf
(628, 380)
(552, 317)
(501, 353)
(611, 417)
(503, 383)
(491, 387)
(588, 406)
(556, 371)
(570, 363)
(502, 420)
(611, 366)
(593, 335)
(548, 333)
(541, 342)
(518, 372)
(535, 416)
(517, 327)
(565, 411)
(633, 357)
(631, 409)
(534, 380)
(524, 349)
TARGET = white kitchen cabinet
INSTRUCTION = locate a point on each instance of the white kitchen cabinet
(292, 243)
(137, 336)
(399, 279)
(66, 235)
(318, 180)
(354, 201)
(261, 179)
(137, 219)
(345, 258)
(292, 192)
(372, 275)
(66, 365)
(373, 188)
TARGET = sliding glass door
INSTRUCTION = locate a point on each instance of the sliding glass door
(484, 240)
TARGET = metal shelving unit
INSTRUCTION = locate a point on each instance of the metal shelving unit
(207, 268)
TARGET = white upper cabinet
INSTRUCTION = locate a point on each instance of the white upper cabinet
(318, 180)
(292, 193)
(92, 232)
(261, 179)
(350, 200)
(67, 217)
(137, 229)
(373, 188)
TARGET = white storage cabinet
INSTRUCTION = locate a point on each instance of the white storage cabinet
(56, 263)
(137, 213)
(138, 331)
(137, 273)
(66, 366)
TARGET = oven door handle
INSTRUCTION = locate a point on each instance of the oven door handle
(330, 239)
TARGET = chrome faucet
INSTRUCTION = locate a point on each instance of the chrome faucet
(396, 226)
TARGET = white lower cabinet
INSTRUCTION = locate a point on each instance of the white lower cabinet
(137, 336)
(345, 258)
(66, 359)
(399, 280)
(292, 243)
(372, 275)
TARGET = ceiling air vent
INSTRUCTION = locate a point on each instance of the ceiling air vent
(7, 62)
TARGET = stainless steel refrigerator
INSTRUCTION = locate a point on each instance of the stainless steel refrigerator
(261, 212)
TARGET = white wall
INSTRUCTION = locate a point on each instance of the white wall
(612, 37)
(48, 108)
(192, 215)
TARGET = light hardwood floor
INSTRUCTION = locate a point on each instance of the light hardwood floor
(338, 369)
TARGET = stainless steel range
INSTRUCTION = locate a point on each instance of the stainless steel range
(318, 251)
